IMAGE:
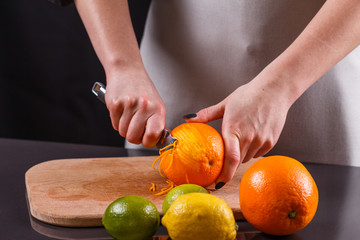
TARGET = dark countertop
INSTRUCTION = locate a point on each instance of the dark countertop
(337, 217)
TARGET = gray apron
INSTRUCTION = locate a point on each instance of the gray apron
(199, 51)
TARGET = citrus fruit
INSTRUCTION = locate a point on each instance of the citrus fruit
(199, 216)
(180, 190)
(278, 195)
(196, 157)
(131, 218)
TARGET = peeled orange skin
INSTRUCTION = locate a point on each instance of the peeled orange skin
(278, 195)
(198, 156)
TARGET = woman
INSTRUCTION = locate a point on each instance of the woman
(245, 62)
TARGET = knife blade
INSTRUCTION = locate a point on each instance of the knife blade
(166, 139)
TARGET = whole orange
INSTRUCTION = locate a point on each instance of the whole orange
(197, 157)
(278, 195)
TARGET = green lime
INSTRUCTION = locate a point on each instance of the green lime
(131, 218)
(180, 190)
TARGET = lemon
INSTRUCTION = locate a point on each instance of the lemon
(200, 216)
(131, 218)
(180, 190)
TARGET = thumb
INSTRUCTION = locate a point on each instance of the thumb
(206, 114)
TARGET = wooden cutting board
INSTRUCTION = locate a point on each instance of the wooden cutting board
(76, 192)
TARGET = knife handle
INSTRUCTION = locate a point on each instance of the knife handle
(99, 90)
(164, 139)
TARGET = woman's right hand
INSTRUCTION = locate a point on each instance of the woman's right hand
(136, 109)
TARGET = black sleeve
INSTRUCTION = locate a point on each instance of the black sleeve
(61, 2)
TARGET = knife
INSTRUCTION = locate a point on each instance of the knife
(166, 139)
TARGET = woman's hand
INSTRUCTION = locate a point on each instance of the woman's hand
(254, 114)
(253, 118)
(137, 111)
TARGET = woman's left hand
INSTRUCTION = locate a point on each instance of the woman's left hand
(253, 118)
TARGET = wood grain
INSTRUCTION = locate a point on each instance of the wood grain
(76, 192)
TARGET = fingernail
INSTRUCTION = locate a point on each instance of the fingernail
(190, 115)
(219, 185)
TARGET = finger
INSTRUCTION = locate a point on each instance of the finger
(153, 130)
(115, 113)
(267, 146)
(207, 114)
(232, 157)
(136, 128)
(124, 122)
(250, 145)
(251, 151)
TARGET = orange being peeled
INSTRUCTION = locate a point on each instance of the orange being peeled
(197, 156)
(278, 195)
